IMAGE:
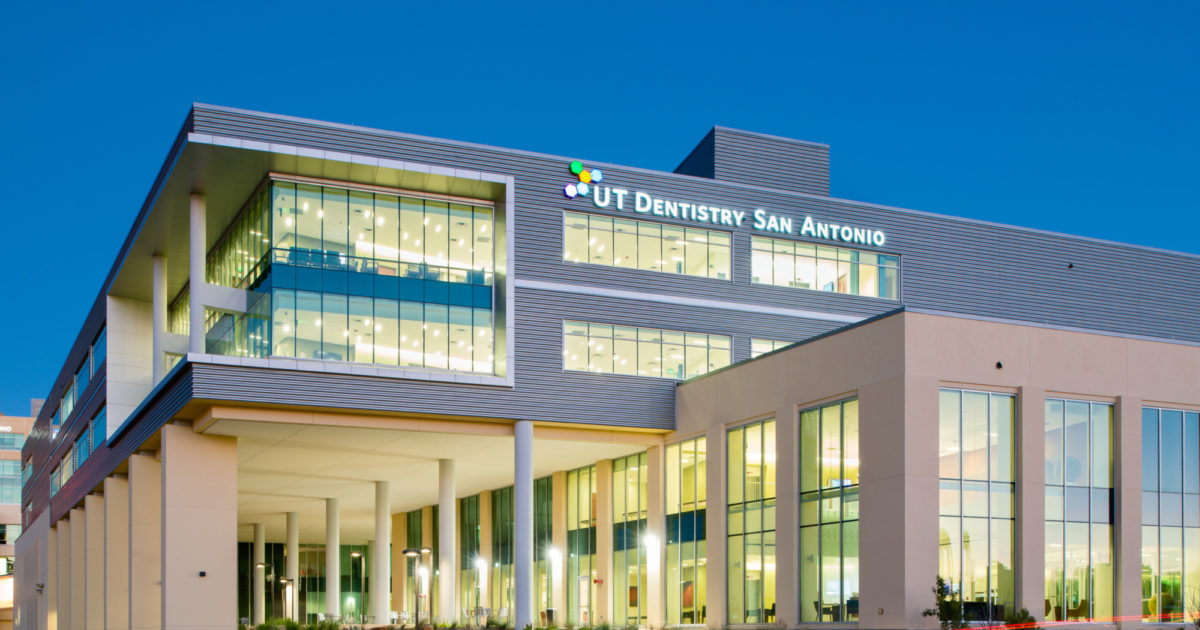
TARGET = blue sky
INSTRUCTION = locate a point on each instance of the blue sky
(1078, 117)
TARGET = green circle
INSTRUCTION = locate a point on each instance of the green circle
(576, 167)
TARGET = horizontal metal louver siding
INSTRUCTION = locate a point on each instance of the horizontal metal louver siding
(761, 160)
(948, 264)
(543, 390)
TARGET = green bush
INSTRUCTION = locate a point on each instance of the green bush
(1021, 619)
(947, 607)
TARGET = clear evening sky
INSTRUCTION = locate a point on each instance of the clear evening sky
(1077, 117)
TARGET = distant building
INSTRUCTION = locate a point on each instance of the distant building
(13, 431)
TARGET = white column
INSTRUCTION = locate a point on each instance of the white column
(380, 558)
(447, 571)
(159, 295)
(198, 244)
(292, 570)
(523, 521)
(333, 560)
(258, 613)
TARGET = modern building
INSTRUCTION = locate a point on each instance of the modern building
(13, 431)
(346, 373)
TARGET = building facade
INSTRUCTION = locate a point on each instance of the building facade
(343, 373)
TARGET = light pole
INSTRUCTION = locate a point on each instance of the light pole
(415, 552)
(295, 608)
(362, 585)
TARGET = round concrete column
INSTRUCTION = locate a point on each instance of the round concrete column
(523, 517)
(380, 558)
(333, 560)
(260, 574)
(447, 593)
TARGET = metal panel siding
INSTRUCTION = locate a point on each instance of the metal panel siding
(543, 391)
(760, 160)
(948, 263)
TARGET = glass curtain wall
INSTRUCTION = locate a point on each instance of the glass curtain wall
(358, 275)
(470, 576)
(415, 588)
(686, 468)
(829, 483)
(581, 545)
(629, 549)
(1079, 536)
(635, 244)
(503, 549)
(751, 523)
(543, 540)
(311, 599)
(1170, 515)
(975, 501)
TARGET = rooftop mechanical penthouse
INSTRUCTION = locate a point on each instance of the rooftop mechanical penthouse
(347, 374)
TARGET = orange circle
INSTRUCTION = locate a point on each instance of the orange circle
(585, 176)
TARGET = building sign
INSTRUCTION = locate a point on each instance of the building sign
(5, 429)
(639, 202)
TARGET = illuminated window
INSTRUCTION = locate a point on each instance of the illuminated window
(976, 490)
(824, 268)
(751, 523)
(1079, 502)
(686, 545)
(1170, 515)
(829, 482)
(609, 349)
(631, 546)
(759, 347)
(646, 245)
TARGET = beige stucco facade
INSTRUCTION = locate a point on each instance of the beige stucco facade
(895, 366)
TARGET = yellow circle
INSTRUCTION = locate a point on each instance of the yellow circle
(585, 176)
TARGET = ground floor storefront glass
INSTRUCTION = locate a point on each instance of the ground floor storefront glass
(630, 546)
(354, 579)
(975, 501)
(751, 523)
(1079, 531)
(1170, 515)
(686, 576)
(829, 485)
(581, 576)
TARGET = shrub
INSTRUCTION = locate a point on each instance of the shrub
(947, 606)
(1021, 619)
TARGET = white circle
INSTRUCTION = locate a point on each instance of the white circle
(570, 191)
(583, 188)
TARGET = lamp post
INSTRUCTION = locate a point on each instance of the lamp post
(293, 613)
(415, 552)
(362, 585)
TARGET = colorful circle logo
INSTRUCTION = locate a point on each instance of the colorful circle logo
(585, 178)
